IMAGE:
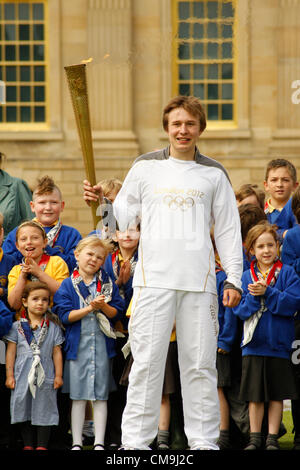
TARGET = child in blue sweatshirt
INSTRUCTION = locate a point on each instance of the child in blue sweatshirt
(88, 303)
(280, 182)
(270, 300)
(47, 204)
(290, 254)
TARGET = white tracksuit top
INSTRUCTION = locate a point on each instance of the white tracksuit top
(178, 203)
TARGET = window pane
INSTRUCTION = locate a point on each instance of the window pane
(212, 71)
(227, 71)
(9, 11)
(212, 9)
(25, 73)
(25, 114)
(38, 52)
(184, 30)
(227, 31)
(39, 73)
(198, 71)
(212, 30)
(184, 51)
(24, 11)
(212, 91)
(212, 112)
(39, 93)
(227, 91)
(24, 32)
(10, 32)
(183, 10)
(10, 53)
(198, 51)
(11, 93)
(38, 32)
(11, 74)
(199, 90)
(11, 114)
(198, 31)
(184, 89)
(39, 114)
(227, 112)
(38, 11)
(25, 93)
(212, 50)
(227, 50)
(184, 72)
(198, 9)
(227, 10)
(24, 53)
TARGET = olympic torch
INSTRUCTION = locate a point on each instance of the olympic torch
(76, 77)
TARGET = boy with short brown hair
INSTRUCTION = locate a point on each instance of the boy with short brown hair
(280, 182)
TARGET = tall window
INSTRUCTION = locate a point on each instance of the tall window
(23, 62)
(204, 55)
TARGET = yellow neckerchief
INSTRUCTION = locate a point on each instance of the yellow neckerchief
(272, 208)
(35, 219)
(1, 254)
(264, 275)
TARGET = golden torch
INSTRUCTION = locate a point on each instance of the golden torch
(76, 77)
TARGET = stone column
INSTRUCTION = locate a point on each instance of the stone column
(109, 32)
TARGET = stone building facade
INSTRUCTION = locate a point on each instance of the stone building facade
(131, 79)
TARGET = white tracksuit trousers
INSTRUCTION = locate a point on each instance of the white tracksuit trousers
(153, 314)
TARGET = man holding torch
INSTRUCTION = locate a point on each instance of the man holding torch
(178, 194)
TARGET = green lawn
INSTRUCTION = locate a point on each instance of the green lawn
(286, 441)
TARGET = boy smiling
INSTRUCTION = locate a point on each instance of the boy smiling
(47, 205)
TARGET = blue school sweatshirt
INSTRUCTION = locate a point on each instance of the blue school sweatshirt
(290, 253)
(284, 219)
(7, 262)
(66, 299)
(227, 319)
(6, 319)
(275, 330)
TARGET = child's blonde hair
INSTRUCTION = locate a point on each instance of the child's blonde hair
(257, 231)
(94, 240)
(31, 223)
(1, 220)
(109, 185)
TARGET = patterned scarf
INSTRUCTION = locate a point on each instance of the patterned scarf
(53, 233)
(36, 374)
(104, 287)
(251, 323)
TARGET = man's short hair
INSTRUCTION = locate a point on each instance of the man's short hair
(190, 104)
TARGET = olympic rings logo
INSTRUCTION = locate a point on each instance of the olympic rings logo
(178, 202)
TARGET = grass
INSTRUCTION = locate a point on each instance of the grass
(286, 442)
